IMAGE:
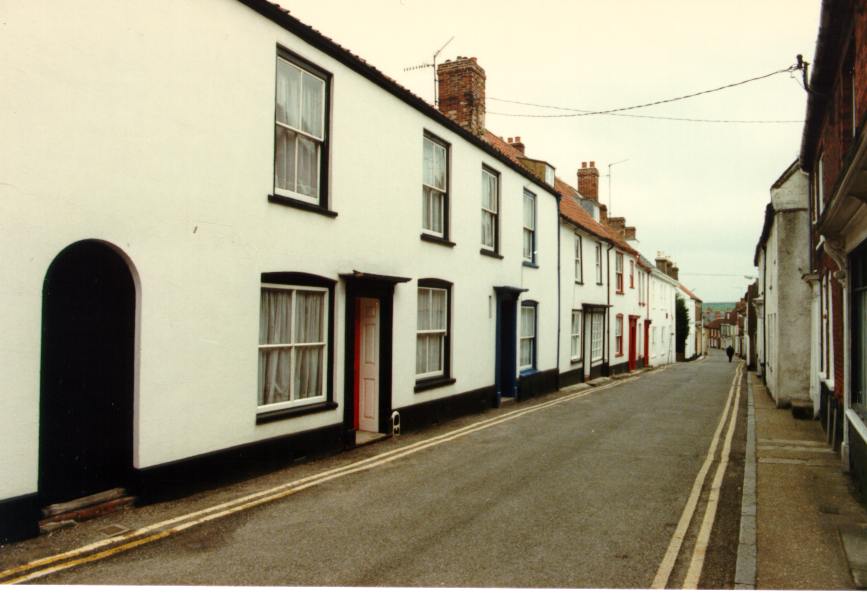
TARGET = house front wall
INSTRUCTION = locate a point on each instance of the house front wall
(160, 143)
(662, 291)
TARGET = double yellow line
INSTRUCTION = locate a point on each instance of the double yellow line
(157, 531)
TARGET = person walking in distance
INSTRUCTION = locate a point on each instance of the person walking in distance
(730, 352)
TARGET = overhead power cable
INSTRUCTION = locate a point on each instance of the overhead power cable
(584, 112)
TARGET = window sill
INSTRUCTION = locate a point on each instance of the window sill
(301, 205)
(274, 415)
(426, 384)
(618, 292)
(437, 240)
(581, 282)
(529, 264)
(576, 360)
(599, 284)
(528, 372)
(490, 253)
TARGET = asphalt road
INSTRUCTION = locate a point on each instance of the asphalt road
(586, 493)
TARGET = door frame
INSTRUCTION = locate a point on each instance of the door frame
(632, 357)
(126, 402)
(381, 288)
(506, 344)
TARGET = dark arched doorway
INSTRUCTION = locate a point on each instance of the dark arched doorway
(86, 403)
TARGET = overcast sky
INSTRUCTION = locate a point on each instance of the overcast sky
(696, 191)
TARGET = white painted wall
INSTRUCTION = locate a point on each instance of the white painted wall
(624, 304)
(574, 295)
(141, 126)
(662, 291)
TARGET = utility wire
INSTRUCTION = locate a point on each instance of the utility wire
(667, 118)
(583, 113)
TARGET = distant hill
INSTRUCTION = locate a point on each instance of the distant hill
(711, 311)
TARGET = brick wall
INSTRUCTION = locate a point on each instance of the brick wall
(461, 87)
(588, 181)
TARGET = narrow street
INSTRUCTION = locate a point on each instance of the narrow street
(585, 492)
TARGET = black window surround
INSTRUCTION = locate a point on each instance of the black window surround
(426, 236)
(325, 150)
(495, 252)
(304, 279)
(446, 378)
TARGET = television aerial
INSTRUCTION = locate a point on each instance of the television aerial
(433, 65)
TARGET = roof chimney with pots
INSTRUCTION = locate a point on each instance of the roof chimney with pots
(618, 223)
(673, 271)
(603, 213)
(517, 144)
(588, 181)
(462, 93)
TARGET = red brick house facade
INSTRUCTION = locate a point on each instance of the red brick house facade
(834, 153)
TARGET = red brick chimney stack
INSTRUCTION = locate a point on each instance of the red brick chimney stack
(603, 213)
(517, 144)
(462, 93)
(618, 224)
(588, 181)
(629, 233)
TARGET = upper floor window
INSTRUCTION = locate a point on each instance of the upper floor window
(529, 226)
(818, 187)
(293, 340)
(490, 209)
(618, 272)
(432, 334)
(579, 268)
(641, 280)
(598, 263)
(631, 274)
(435, 185)
(300, 155)
(528, 335)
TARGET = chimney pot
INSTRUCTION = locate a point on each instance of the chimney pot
(517, 138)
(592, 163)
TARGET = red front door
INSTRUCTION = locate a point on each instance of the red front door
(633, 330)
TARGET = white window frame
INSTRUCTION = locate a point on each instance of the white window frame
(528, 337)
(598, 263)
(819, 187)
(579, 260)
(529, 231)
(618, 335)
(597, 338)
(441, 332)
(632, 274)
(292, 346)
(487, 212)
(318, 140)
(442, 192)
(577, 337)
(618, 272)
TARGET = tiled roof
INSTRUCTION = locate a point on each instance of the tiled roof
(570, 208)
(689, 292)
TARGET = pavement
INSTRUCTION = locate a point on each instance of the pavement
(804, 505)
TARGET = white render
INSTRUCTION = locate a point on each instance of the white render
(156, 137)
(783, 260)
(662, 293)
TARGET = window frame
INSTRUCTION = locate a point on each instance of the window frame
(597, 314)
(598, 263)
(287, 196)
(444, 234)
(618, 334)
(632, 273)
(495, 248)
(579, 259)
(293, 281)
(534, 338)
(819, 186)
(532, 231)
(618, 272)
(580, 335)
(436, 378)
